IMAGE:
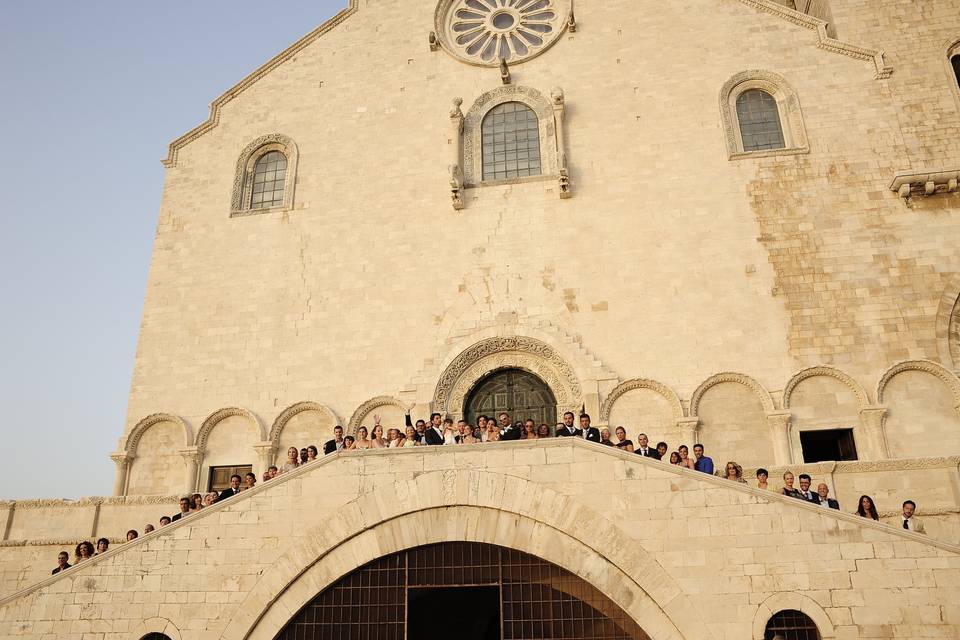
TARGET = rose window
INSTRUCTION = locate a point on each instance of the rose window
(488, 31)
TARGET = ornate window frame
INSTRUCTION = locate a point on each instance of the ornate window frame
(953, 49)
(247, 162)
(788, 104)
(467, 170)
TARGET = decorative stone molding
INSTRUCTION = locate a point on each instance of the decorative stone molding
(762, 394)
(247, 162)
(220, 415)
(792, 601)
(907, 184)
(830, 372)
(287, 54)
(948, 325)
(824, 40)
(788, 105)
(473, 139)
(471, 33)
(952, 48)
(492, 354)
(130, 448)
(641, 383)
(947, 377)
(367, 407)
(295, 409)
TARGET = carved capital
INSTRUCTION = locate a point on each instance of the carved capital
(121, 459)
(779, 418)
(190, 455)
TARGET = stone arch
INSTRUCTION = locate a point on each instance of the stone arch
(946, 376)
(137, 432)
(765, 399)
(495, 508)
(798, 602)
(788, 106)
(220, 415)
(373, 403)
(948, 323)
(492, 354)
(156, 625)
(641, 383)
(246, 162)
(831, 372)
(287, 414)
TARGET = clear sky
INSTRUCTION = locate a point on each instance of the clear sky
(91, 94)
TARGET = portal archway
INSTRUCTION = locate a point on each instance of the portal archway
(520, 393)
(468, 590)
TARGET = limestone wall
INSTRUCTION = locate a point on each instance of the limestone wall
(690, 556)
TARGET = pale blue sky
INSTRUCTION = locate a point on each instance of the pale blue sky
(91, 94)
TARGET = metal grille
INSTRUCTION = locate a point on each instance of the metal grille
(759, 121)
(269, 175)
(538, 600)
(791, 625)
(511, 142)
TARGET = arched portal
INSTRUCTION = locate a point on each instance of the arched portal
(520, 393)
(467, 590)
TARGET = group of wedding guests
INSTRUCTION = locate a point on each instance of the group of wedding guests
(442, 431)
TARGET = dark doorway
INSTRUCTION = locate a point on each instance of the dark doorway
(828, 445)
(465, 613)
(519, 393)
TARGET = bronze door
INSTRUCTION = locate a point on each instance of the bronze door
(521, 394)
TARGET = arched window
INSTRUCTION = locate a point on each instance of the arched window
(791, 625)
(269, 176)
(155, 636)
(759, 119)
(955, 61)
(511, 142)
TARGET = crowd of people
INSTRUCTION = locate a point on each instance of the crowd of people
(443, 431)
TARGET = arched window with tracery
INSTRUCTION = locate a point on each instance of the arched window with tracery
(759, 118)
(269, 175)
(791, 625)
(511, 142)
(265, 176)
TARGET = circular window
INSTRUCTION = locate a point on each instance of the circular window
(485, 32)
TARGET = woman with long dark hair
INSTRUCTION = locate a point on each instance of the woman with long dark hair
(867, 509)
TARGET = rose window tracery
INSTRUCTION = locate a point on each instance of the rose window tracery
(488, 31)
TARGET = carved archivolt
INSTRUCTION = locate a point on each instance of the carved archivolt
(364, 410)
(293, 410)
(814, 372)
(796, 602)
(641, 383)
(498, 353)
(218, 417)
(243, 178)
(137, 432)
(762, 394)
(948, 325)
(947, 377)
(788, 104)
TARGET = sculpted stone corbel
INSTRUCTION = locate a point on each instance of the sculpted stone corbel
(559, 104)
(571, 21)
(434, 41)
(505, 72)
(456, 169)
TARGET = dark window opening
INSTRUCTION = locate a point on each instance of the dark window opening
(220, 476)
(828, 445)
(155, 636)
(955, 60)
(465, 613)
(791, 625)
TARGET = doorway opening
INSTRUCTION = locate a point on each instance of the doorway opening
(828, 445)
(520, 393)
(465, 613)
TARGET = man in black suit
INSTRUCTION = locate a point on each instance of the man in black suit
(184, 509)
(232, 490)
(805, 490)
(586, 431)
(822, 498)
(568, 429)
(508, 430)
(336, 444)
(644, 449)
(62, 563)
(434, 434)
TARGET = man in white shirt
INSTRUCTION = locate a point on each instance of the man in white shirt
(822, 498)
(644, 449)
(911, 523)
(567, 429)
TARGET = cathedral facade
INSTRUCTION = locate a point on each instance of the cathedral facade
(726, 222)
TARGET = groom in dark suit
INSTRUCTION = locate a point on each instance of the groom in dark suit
(567, 429)
(586, 431)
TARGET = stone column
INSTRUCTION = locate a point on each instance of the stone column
(688, 432)
(559, 106)
(266, 451)
(874, 438)
(191, 462)
(122, 460)
(455, 167)
(779, 422)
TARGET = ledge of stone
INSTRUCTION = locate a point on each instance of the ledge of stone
(928, 183)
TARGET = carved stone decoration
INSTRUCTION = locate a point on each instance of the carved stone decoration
(572, 20)
(946, 376)
(948, 326)
(831, 372)
(472, 134)
(293, 410)
(641, 383)
(762, 394)
(130, 447)
(504, 72)
(493, 354)
(246, 163)
(926, 183)
(367, 407)
(434, 42)
(217, 417)
(483, 33)
(788, 104)
(455, 169)
(559, 103)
